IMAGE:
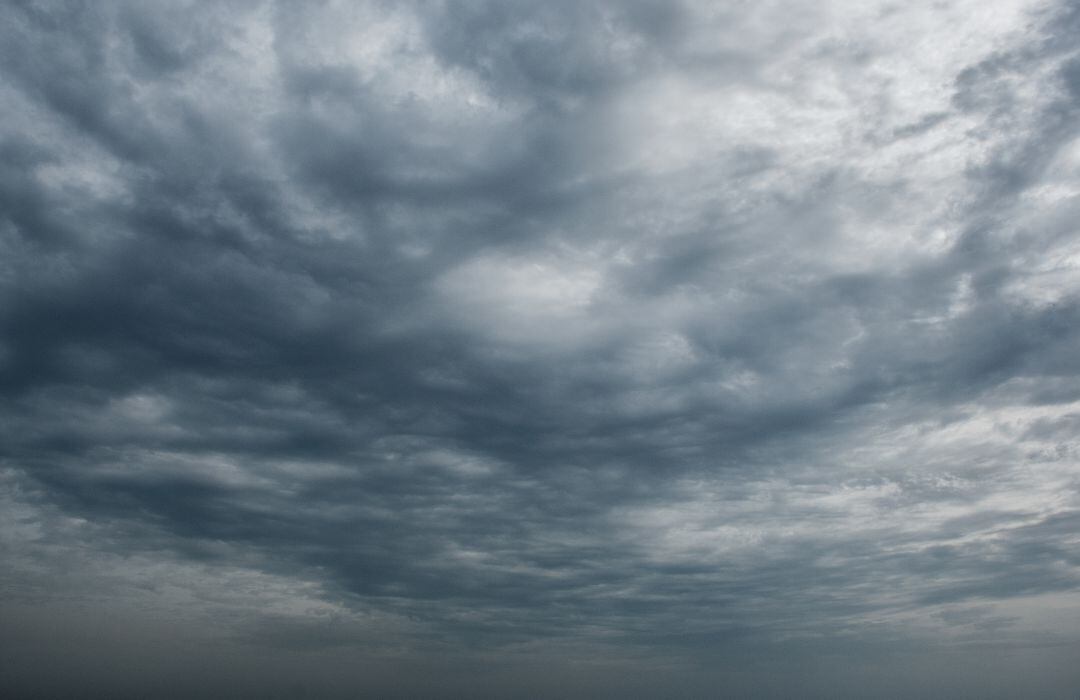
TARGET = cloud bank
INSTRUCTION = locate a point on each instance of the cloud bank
(568, 349)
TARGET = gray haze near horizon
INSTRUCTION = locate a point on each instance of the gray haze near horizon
(493, 349)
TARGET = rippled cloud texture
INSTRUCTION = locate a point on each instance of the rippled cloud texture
(602, 349)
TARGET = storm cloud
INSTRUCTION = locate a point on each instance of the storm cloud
(602, 349)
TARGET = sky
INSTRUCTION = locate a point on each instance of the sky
(540, 349)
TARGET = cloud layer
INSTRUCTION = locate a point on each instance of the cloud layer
(425, 348)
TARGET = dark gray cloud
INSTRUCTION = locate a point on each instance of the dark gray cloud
(486, 349)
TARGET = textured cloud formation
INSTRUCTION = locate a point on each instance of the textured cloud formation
(563, 349)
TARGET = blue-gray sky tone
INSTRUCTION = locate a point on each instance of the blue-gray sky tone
(540, 349)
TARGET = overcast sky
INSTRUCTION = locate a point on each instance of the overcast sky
(554, 349)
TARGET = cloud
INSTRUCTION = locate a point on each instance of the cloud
(476, 340)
